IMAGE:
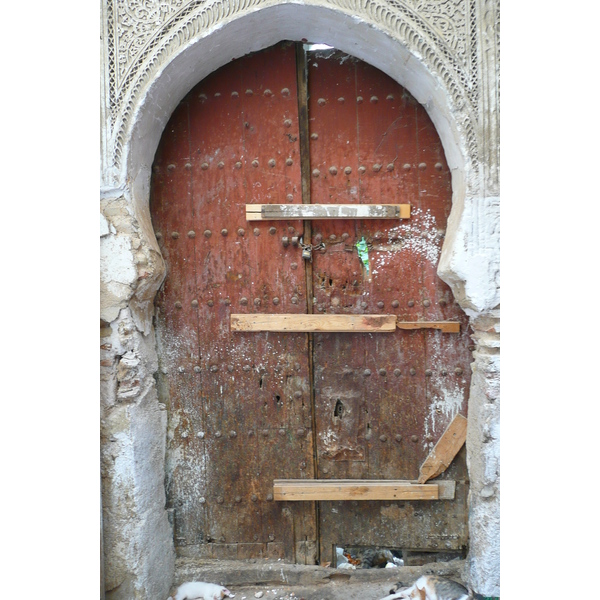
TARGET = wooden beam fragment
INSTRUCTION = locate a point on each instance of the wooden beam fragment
(445, 450)
(308, 323)
(275, 212)
(360, 489)
(445, 326)
(333, 323)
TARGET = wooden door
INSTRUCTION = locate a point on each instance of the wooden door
(247, 408)
(382, 401)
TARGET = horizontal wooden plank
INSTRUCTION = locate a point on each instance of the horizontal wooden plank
(274, 212)
(333, 323)
(360, 489)
(307, 323)
(445, 326)
(353, 490)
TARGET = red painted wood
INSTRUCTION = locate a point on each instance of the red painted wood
(240, 405)
(248, 395)
(381, 384)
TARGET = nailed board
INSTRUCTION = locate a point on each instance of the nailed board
(200, 293)
(360, 489)
(333, 323)
(445, 326)
(445, 450)
(308, 323)
(282, 212)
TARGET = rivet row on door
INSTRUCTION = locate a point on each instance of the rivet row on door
(359, 100)
(294, 300)
(285, 92)
(317, 239)
(301, 433)
(333, 169)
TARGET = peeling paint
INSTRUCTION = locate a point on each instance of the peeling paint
(158, 98)
(419, 236)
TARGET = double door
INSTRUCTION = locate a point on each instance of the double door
(292, 126)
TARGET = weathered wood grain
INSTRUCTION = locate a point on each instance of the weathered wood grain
(308, 323)
(445, 326)
(274, 212)
(445, 450)
(333, 323)
(360, 489)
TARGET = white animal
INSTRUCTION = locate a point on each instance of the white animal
(199, 590)
(432, 587)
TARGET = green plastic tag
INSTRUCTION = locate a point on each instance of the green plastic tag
(363, 253)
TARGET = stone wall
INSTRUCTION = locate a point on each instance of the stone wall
(446, 54)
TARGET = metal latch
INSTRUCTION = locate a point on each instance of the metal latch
(307, 249)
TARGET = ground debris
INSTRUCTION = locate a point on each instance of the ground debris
(278, 580)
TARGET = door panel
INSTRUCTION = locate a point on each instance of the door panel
(380, 401)
(247, 393)
(247, 408)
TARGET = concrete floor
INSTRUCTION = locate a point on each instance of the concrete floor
(275, 580)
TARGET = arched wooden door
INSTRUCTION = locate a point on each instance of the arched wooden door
(247, 408)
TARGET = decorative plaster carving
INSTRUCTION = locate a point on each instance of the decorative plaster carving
(458, 42)
(142, 36)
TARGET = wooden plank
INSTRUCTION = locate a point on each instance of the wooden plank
(340, 489)
(360, 489)
(333, 323)
(322, 323)
(283, 212)
(446, 489)
(445, 326)
(445, 450)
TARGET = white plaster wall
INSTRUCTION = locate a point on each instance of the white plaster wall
(470, 261)
(139, 554)
(263, 28)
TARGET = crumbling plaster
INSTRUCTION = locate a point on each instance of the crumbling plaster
(138, 545)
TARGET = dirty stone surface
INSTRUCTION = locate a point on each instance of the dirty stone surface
(276, 580)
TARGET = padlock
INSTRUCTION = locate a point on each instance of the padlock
(307, 252)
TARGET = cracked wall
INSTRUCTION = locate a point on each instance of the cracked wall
(150, 60)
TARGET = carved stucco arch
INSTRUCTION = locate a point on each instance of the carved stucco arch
(399, 38)
(157, 50)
